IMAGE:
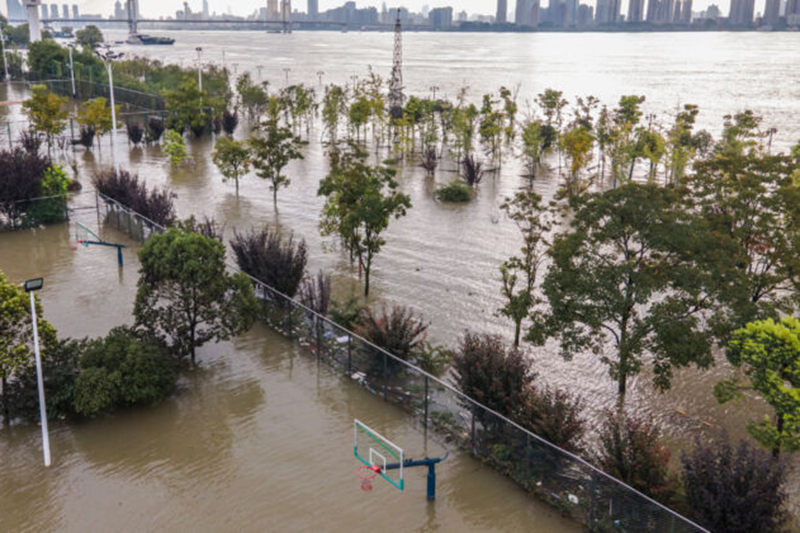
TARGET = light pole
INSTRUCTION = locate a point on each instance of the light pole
(354, 78)
(434, 88)
(108, 57)
(320, 73)
(258, 68)
(199, 51)
(31, 286)
(70, 46)
(286, 71)
(3, 45)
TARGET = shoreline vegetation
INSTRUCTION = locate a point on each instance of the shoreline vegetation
(662, 243)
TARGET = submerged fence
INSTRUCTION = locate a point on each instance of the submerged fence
(574, 486)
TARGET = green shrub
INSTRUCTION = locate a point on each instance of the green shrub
(54, 187)
(124, 368)
(345, 313)
(454, 192)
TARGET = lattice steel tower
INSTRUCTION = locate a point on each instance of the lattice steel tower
(396, 83)
(286, 15)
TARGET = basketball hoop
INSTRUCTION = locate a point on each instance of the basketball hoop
(366, 473)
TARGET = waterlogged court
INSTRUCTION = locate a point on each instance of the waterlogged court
(258, 437)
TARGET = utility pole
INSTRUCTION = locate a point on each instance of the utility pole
(5, 63)
(396, 97)
(320, 73)
(108, 58)
(70, 46)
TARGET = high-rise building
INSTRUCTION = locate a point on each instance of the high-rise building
(585, 14)
(676, 13)
(502, 11)
(76, 14)
(535, 13)
(441, 17)
(570, 13)
(741, 13)
(601, 13)
(635, 10)
(15, 10)
(772, 12)
(520, 12)
(687, 12)
(272, 10)
(792, 8)
(65, 11)
(45, 13)
(53, 11)
(205, 9)
(313, 9)
(652, 11)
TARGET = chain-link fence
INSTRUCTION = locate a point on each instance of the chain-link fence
(561, 478)
(34, 212)
(86, 89)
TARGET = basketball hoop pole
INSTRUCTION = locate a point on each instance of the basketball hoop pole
(430, 463)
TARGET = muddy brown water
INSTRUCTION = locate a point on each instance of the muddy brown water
(441, 260)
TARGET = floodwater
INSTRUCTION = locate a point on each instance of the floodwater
(440, 260)
(258, 438)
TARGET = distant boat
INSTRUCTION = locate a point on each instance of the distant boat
(139, 38)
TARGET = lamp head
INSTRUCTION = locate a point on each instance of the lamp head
(33, 284)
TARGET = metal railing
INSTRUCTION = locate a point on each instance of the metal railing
(574, 486)
(89, 89)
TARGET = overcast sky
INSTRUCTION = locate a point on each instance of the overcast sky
(243, 7)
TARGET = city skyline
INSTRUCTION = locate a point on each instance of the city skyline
(167, 8)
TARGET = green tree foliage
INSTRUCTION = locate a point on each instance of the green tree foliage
(20, 180)
(47, 58)
(577, 145)
(124, 368)
(60, 369)
(96, 114)
(271, 150)
(175, 147)
(89, 37)
(360, 201)
(253, 97)
(46, 112)
(16, 333)
(768, 353)
(752, 206)
(456, 192)
(185, 294)
(491, 374)
(533, 146)
(334, 106)
(18, 35)
(232, 159)
(185, 105)
(735, 490)
(53, 187)
(630, 450)
(532, 219)
(629, 273)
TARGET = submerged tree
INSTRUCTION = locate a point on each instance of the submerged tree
(232, 159)
(278, 262)
(527, 212)
(630, 272)
(46, 112)
(271, 149)
(769, 354)
(360, 201)
(186, 296)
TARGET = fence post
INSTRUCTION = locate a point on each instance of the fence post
(349, 354)
(385, 377)
(472, 430)
(10, 139)
(425, 416)
(72, 131)
(591, 502)
(317, 321)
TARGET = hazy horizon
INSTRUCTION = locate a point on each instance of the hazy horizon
(166, 8)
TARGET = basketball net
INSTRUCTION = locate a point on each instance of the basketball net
(366, 474)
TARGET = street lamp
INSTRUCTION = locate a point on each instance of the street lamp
(31, 286)
(3, 46)
(434, 88)
(108, 57)
(199, 51)
(70, 46)
(320, 73)
(258, 68)
(354, 78)
(286, 71)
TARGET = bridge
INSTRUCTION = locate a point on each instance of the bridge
(133, 21)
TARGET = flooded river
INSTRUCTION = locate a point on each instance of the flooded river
(211, 452)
